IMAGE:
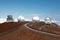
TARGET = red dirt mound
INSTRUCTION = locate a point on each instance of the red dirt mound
(9, 25)
(24, 34)
(27, 34)
(53, 27)
(36, 25)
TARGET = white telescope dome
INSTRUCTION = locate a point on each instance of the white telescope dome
(48, 20)
(10, 18)
(36, 18)
(20, 18)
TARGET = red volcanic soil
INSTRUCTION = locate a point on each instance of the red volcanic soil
(24, 34)
(52, 28)
(36, 25)
(9, 25)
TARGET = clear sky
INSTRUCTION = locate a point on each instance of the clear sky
(29, 8)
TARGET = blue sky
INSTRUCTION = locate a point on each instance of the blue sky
(30, 8)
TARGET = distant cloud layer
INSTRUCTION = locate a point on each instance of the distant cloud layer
(2, 20)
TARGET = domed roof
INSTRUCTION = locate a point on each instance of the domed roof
(48, 20)
(36, 18)
(10, 18)
(20, 18)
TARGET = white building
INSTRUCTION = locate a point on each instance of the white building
(10, 18)
(20, 19)
(35, 19)
(48, 20)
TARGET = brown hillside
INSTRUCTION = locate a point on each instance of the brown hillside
(9, 25)
(52, 28)
(26, 34)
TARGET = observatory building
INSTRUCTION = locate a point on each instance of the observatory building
(20, 19)
(35, 19)
(48, 20)
(10, 18)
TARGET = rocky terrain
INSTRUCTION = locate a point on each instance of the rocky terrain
(52, 27)
(23, 33)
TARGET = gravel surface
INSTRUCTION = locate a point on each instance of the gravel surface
(26, 34)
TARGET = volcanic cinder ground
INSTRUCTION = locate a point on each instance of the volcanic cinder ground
(22, 33)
